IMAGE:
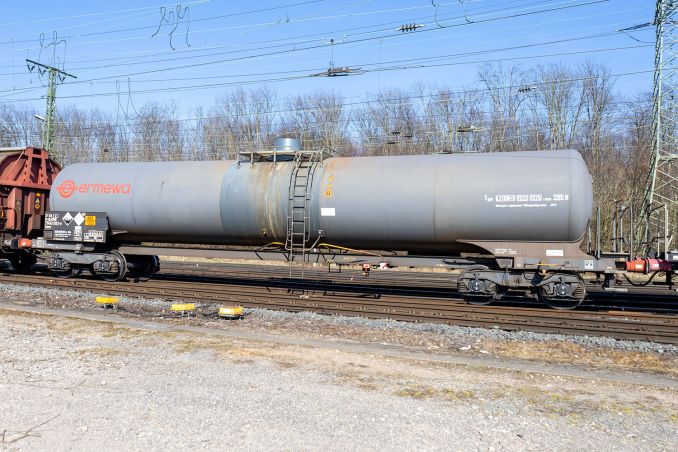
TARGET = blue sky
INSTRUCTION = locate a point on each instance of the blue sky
(193, 51)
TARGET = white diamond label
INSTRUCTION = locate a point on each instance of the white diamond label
(79, 218)
(67, 218)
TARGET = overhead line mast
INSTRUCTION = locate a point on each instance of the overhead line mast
(660, 205)
(56, 76)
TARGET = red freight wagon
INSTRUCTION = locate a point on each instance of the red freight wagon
(26, 175)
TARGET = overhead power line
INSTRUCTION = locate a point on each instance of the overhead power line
(98, 13)
(442, 96)
(152, 27)
(305, 75)
(384, 27)
(243, 58)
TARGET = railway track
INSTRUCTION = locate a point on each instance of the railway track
(651, 298)
(418, 304)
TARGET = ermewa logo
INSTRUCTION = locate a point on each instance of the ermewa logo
(68, 188)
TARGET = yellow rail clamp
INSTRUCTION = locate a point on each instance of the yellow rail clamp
(107, 301)
(183, 308)
(231, 312)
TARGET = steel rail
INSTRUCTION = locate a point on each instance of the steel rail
(630, 326)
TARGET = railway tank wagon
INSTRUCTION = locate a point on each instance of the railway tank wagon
(423, 204)
(528, 211)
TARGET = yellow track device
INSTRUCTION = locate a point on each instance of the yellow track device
(183, 308)
(108, 302)
(231, 312)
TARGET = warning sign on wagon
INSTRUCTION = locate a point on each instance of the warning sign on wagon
(76, 226)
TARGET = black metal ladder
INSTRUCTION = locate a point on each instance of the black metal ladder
(299, 212)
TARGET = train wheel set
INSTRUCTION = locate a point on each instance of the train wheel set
(493, 216)
(559, 290)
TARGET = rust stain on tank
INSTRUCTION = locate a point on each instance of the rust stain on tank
(265, 187)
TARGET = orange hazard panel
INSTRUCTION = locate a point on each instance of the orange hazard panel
(26, 175)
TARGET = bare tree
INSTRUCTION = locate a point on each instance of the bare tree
(557, 93)
(637, 115)
(319, 119)
(157, 133)
(392, 123)
(597, 99)
(18, 126)
(507, 90)
(246, 119)
(73, 136)
(105, 136)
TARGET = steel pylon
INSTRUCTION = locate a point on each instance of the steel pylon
(56, 76)
(660, 205)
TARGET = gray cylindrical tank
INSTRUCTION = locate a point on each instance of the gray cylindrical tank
(424, 203)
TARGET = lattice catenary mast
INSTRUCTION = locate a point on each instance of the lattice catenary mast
(56, 76)
(660, 206)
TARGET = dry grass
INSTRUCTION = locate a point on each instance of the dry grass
(426, 392)
(188, 343)
(569, 353)
(100, 352)
(578, 403)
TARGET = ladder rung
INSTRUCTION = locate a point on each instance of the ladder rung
(298, 218)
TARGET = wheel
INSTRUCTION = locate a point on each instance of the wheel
(474, 289)
(22, 261)
(64, 274)
(60, 267)
(562, 291)
(142, 268)
(119, 267)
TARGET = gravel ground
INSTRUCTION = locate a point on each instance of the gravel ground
(80, 384)
(69, 298)
(596, 352)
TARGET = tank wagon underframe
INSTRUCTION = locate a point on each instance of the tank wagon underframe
(556, 281)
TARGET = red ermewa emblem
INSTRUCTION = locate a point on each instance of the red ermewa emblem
(67, 188)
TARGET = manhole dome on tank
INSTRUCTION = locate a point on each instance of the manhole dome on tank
(283, 150)
(287, 144)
